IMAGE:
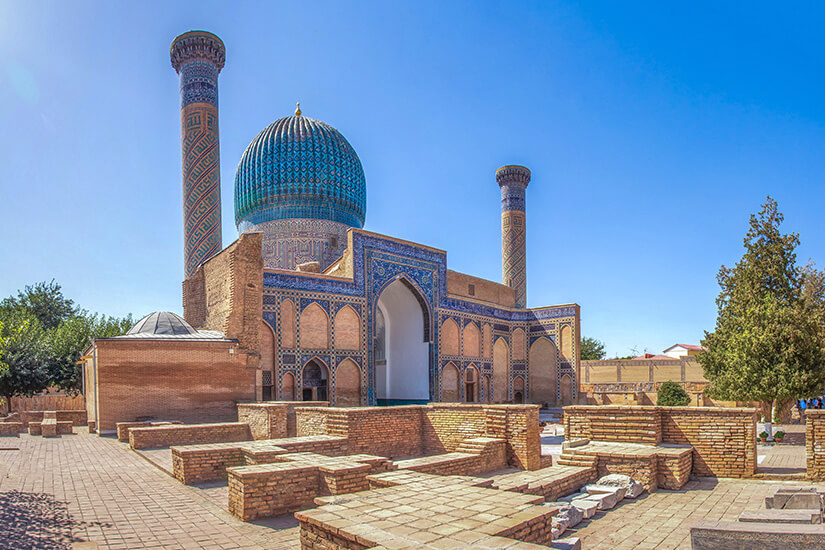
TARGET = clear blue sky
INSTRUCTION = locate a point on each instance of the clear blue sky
(652, 131)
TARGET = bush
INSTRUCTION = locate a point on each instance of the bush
(672, 394)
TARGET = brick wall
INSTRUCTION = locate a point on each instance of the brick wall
(815, 444)
(188, 434)
(415, 430)
(383, 431)
(191, 381)
(11, 428)
(633, 424)
(198, 463)
(266, 420)
(311, 421)
(446, 426)
(226, 294)
(723, 439)
(274, 419)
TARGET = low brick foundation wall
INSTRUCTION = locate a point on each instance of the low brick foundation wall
(674, 471)
(124, 427)
(436, 428)
(76, 417)
(273, 419)
(723, 439)
(448, 464)
(198, 463)
(292, 484)
(815, 444)
(11, 428)
(188, 434)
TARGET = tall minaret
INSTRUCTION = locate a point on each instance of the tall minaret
(198, 57)
(513, 181)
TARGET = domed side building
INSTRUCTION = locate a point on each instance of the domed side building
(311, 306)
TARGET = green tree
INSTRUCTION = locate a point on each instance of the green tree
(71, 338)
(592, 349)
(769, 341)
(24, 356)
(671, 394)
(43, 300)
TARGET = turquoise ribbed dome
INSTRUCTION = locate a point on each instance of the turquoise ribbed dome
(299, 167)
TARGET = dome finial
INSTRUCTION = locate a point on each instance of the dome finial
(298, 109)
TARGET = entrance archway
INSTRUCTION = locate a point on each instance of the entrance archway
(288, 392)
(404, 374)
(449, 384)
(501, 371)
(348, 384)
(314, 381)
(267, 339)
(518, 389)
(471, 383)
(543, 372)
(566, 390)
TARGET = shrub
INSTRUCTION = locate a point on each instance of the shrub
(672, 394)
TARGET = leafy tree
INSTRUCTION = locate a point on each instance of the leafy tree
(592, 349)
(769, 340)
(24, 355)
(672, 394)
(71, 338)
(43, 300)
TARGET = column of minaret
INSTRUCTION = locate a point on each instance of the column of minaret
(198, 57)
(513, 182)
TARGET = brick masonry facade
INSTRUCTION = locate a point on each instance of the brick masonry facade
(723, 439)
(189, 381)
(815, 444)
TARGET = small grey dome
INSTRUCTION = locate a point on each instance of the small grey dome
(162, 322)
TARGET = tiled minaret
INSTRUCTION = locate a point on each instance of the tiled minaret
(513, 181)
(198, 57)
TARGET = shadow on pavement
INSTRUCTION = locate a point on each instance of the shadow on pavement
(34, 520)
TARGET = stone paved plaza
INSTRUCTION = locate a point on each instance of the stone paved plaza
(83, 488)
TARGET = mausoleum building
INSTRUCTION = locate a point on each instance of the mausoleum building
(317, 308)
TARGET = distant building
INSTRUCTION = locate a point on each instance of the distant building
(683, 350)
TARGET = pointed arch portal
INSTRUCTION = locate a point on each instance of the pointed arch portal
(403, 375)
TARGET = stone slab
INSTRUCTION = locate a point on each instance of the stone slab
(782, 516)
(588, 508)
(716, 535)
(569, 543)
(801, 498)
(606, 501)
(595, 489)
(632, 487)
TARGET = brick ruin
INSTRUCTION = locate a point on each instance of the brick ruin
(723, 439)
(340, 469)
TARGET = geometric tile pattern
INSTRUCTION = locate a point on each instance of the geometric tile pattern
(198, 58)
(287, 243)
(377, 262)
(299, 167)
(513, 181)
(201, 185)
